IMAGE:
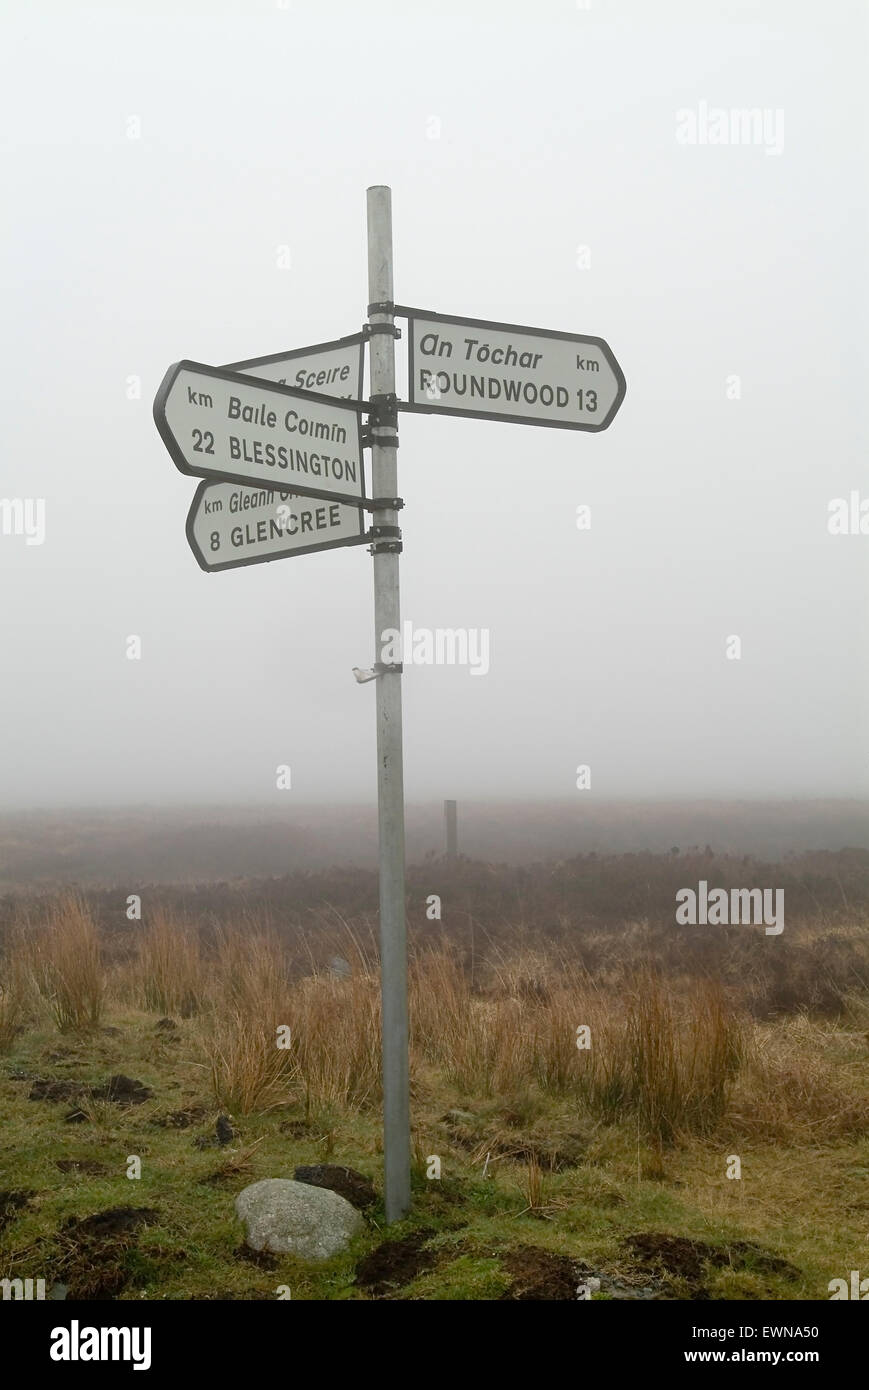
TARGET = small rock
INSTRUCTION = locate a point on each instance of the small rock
(294, 1218)
(340, 968)
(354, 1187)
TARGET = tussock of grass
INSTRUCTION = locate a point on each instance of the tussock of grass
(62, 956)
(170, 967)
(666, 1059)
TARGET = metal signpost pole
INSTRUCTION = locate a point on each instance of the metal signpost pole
(390, 776)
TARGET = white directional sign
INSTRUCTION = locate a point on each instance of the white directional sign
(238, 429)
(230, 526)
(502, 371)
(333, 369)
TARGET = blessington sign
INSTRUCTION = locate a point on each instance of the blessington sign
(240, 429)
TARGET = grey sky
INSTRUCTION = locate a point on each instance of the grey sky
(261, 127)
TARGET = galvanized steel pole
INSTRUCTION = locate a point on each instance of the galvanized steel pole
(390, 771)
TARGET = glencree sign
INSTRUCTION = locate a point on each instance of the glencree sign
(278, 442)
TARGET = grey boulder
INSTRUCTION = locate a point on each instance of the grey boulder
(294, 1218)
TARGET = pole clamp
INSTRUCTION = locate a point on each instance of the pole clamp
(369, 329)
(385, 548)
(368, 441)
(383, 414)
(377, 531)
(385, 306)
(384, 504)
(384, 667)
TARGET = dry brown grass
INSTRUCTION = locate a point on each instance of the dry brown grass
(12, 1014)
(62, 958)
(170, 966)
(249, 1011)
(333, 1057)
(337, 1028)
(805, 1082)
(249, 1072)
(669, 1055)
(17, 991)
(666, 1058)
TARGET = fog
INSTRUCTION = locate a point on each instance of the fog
(188, 180)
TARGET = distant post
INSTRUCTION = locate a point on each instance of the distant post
(452, 829)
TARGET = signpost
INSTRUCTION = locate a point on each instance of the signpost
(239, 429)
(280, 439)
(501, 371)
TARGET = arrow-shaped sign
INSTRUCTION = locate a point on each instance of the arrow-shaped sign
(230, 526)
(234, 428)
(334, 369)
(505, 371)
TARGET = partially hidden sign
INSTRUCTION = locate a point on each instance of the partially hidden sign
(229, 526)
